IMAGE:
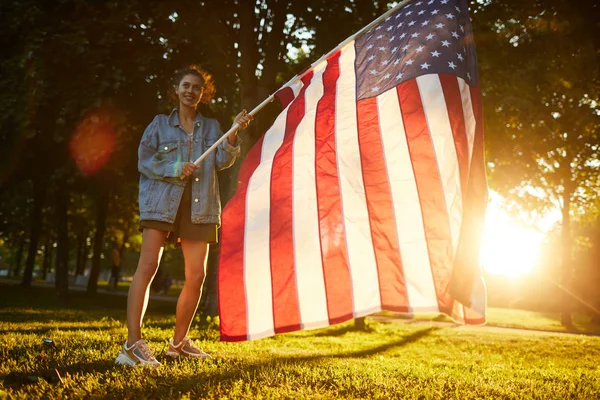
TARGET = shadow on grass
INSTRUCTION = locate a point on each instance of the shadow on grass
(43, 306)
(54, 374)
(204, 382)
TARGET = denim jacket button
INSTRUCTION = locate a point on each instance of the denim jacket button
(196, 200)
(197, 179)
(166, 148)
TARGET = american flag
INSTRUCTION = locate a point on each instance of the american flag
(368, 192)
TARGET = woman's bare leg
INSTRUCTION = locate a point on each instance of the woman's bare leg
(139, 291)
(195, 254)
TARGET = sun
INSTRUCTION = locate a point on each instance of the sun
(509, 247)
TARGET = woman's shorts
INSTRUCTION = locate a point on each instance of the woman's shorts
(183, 227)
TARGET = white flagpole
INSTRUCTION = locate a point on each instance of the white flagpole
(296, 78)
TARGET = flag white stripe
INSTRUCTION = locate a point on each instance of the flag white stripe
(310, 282)
(361, 255)
(440, 129)
(407, 211)
(257, 262)
(469, 115)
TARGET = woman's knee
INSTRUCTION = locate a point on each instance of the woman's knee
(195, 279)
(147, 269)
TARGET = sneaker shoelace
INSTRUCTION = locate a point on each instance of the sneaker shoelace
(143, 346)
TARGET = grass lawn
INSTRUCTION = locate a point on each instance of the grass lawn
(391, 360)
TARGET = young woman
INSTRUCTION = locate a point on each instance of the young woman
(185, 211)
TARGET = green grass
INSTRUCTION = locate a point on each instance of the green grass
(517, 319)
(391, 360)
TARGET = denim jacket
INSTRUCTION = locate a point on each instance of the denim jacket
(163, 150)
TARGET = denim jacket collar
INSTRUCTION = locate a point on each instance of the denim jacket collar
(174, 117)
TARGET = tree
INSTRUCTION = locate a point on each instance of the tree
(544, 135)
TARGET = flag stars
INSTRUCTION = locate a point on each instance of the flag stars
(421, 12)
(409, 62)
(389, 28)
(406, 47)
(375, 89)
(450, 16)
(411, 23)
(460, 56)
(400, 24)
(382, 48)
(431, 2)
(408, 13)
(462, 28)
(469, 75)
(429, 37)
(434, 12)
(397, 61)
(387, 76)
(394, 49)
(444, 2)
(425, 66)
(452, 65)
(435, 54)
(445, 43)
(440, 26)
(414, 35)
(371, 58)
(385, 62)
(419, 49)
(373, 72)
(424, 23)
(369, 47)
(380, 37)
(455, 35)
(400, 75)
(457, 9)
(378, 28)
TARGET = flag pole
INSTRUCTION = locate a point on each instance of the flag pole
(296, 78)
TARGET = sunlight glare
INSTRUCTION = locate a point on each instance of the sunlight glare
(508, 247)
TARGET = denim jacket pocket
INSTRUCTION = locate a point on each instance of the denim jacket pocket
(168, 147)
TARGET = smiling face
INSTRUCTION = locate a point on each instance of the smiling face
(189, 90)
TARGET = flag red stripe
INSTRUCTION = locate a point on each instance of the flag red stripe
(232, 307)
(331, 221)
(431, 192)
(457, 122)
(285, 96)
(286, 312)
(392, 284)
(467, 256)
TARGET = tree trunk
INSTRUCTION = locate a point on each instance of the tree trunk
(62, 243)
(47, 257)
(567, 268)
(20, 247)
(81, 253)
(39, 191)
(101, 212)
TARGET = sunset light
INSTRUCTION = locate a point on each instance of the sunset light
(509, 245)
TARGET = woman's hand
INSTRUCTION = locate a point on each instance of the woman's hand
(188, 169)
(243, 120)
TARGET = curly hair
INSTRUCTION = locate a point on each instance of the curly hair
(206, 78)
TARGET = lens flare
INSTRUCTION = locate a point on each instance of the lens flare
(93, 142)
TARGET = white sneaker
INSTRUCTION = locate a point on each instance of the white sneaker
(137, 354)
(186, 348)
